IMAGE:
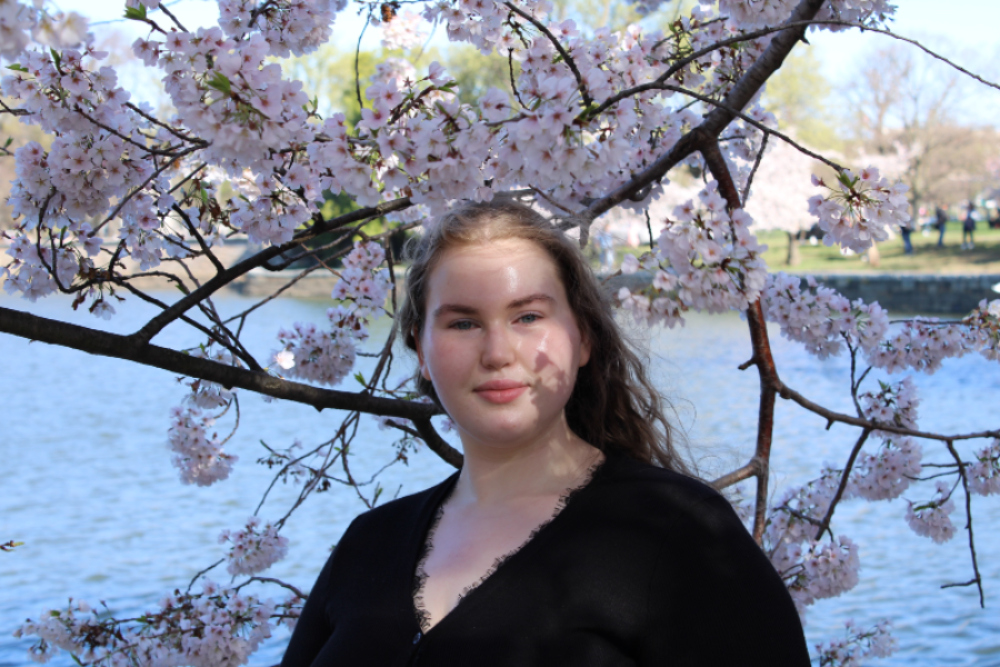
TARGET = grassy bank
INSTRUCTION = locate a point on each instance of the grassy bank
(926, 258)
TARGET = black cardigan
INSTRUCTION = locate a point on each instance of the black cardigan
(642, 567)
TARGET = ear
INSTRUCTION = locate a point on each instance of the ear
(420, 354)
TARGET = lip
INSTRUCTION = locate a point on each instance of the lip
(501, 391)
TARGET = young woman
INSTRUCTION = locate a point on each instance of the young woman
(571, 535)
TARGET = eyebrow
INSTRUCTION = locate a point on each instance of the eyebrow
(460, 309)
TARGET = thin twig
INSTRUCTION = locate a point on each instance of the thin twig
(753, 172)
(978, 579)
(567, 58)
(845, 475)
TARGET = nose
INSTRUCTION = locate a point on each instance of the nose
(498, 347)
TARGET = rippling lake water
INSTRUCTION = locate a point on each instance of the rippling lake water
(88, 486)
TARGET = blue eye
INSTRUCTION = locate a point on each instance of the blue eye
(529, 318)
(462, 325)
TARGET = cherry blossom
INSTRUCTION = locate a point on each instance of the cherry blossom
(215, 628)
(253, 549)
(820, 318)
(858, 644)
(198, 452)
(705, 259)
(887, 473)
(931, 518)
(984, 472)
(859, 209)
(403, 31)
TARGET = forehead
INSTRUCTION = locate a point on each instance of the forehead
(507, 268)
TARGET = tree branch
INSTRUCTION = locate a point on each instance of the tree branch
(832, 416)
(763, 359)
(158, 323)
(568, 59)
(968, 520)
(824, 525)
(131, 348)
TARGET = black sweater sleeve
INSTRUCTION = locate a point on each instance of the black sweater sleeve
(715, 599)
(313, 628)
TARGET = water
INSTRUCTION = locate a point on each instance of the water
(88, 486)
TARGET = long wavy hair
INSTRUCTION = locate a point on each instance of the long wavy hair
(613, 405)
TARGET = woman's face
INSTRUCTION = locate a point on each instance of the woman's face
(500, 342)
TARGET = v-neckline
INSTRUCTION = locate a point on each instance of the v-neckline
(420, 576)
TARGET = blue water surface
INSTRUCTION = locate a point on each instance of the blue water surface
(89, 488)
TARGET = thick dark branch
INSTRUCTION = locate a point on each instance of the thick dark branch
(832, 416)
(718, 119)
(708, 99)
(436, 443)
(763, 359)
(158, 323)
(134, 349)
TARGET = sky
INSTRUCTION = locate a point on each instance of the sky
(967, 31)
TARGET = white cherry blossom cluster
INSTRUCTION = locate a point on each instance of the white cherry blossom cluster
(312, 354)
(895, 403)
(288, 26)
(21, 23)
(216, 628)
(923, 343)
(858, 644)
(87, 165)
(210, 395)
(932, 518)
(254, 549)
(705, 259)
(326, 357)
(97, 156)
(820, 318)
(198, 453)
(35, 268)
(404, 31)
(228, 96)
(812, 568)
(984, 473)
(887, 473)
(829, 569)
(859, 209)
(277, 210)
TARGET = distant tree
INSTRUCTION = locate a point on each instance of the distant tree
(800, 97)
(903, 105)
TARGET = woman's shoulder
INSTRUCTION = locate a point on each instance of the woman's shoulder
(629, 476)
(662, 495)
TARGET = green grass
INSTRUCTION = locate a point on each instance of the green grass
(926, 258)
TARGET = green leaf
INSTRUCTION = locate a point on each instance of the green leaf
(843, 178)
(136, 13)
(220, 83)
(9, 141)
(361, 379)
(56, 57)
(17, 68)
